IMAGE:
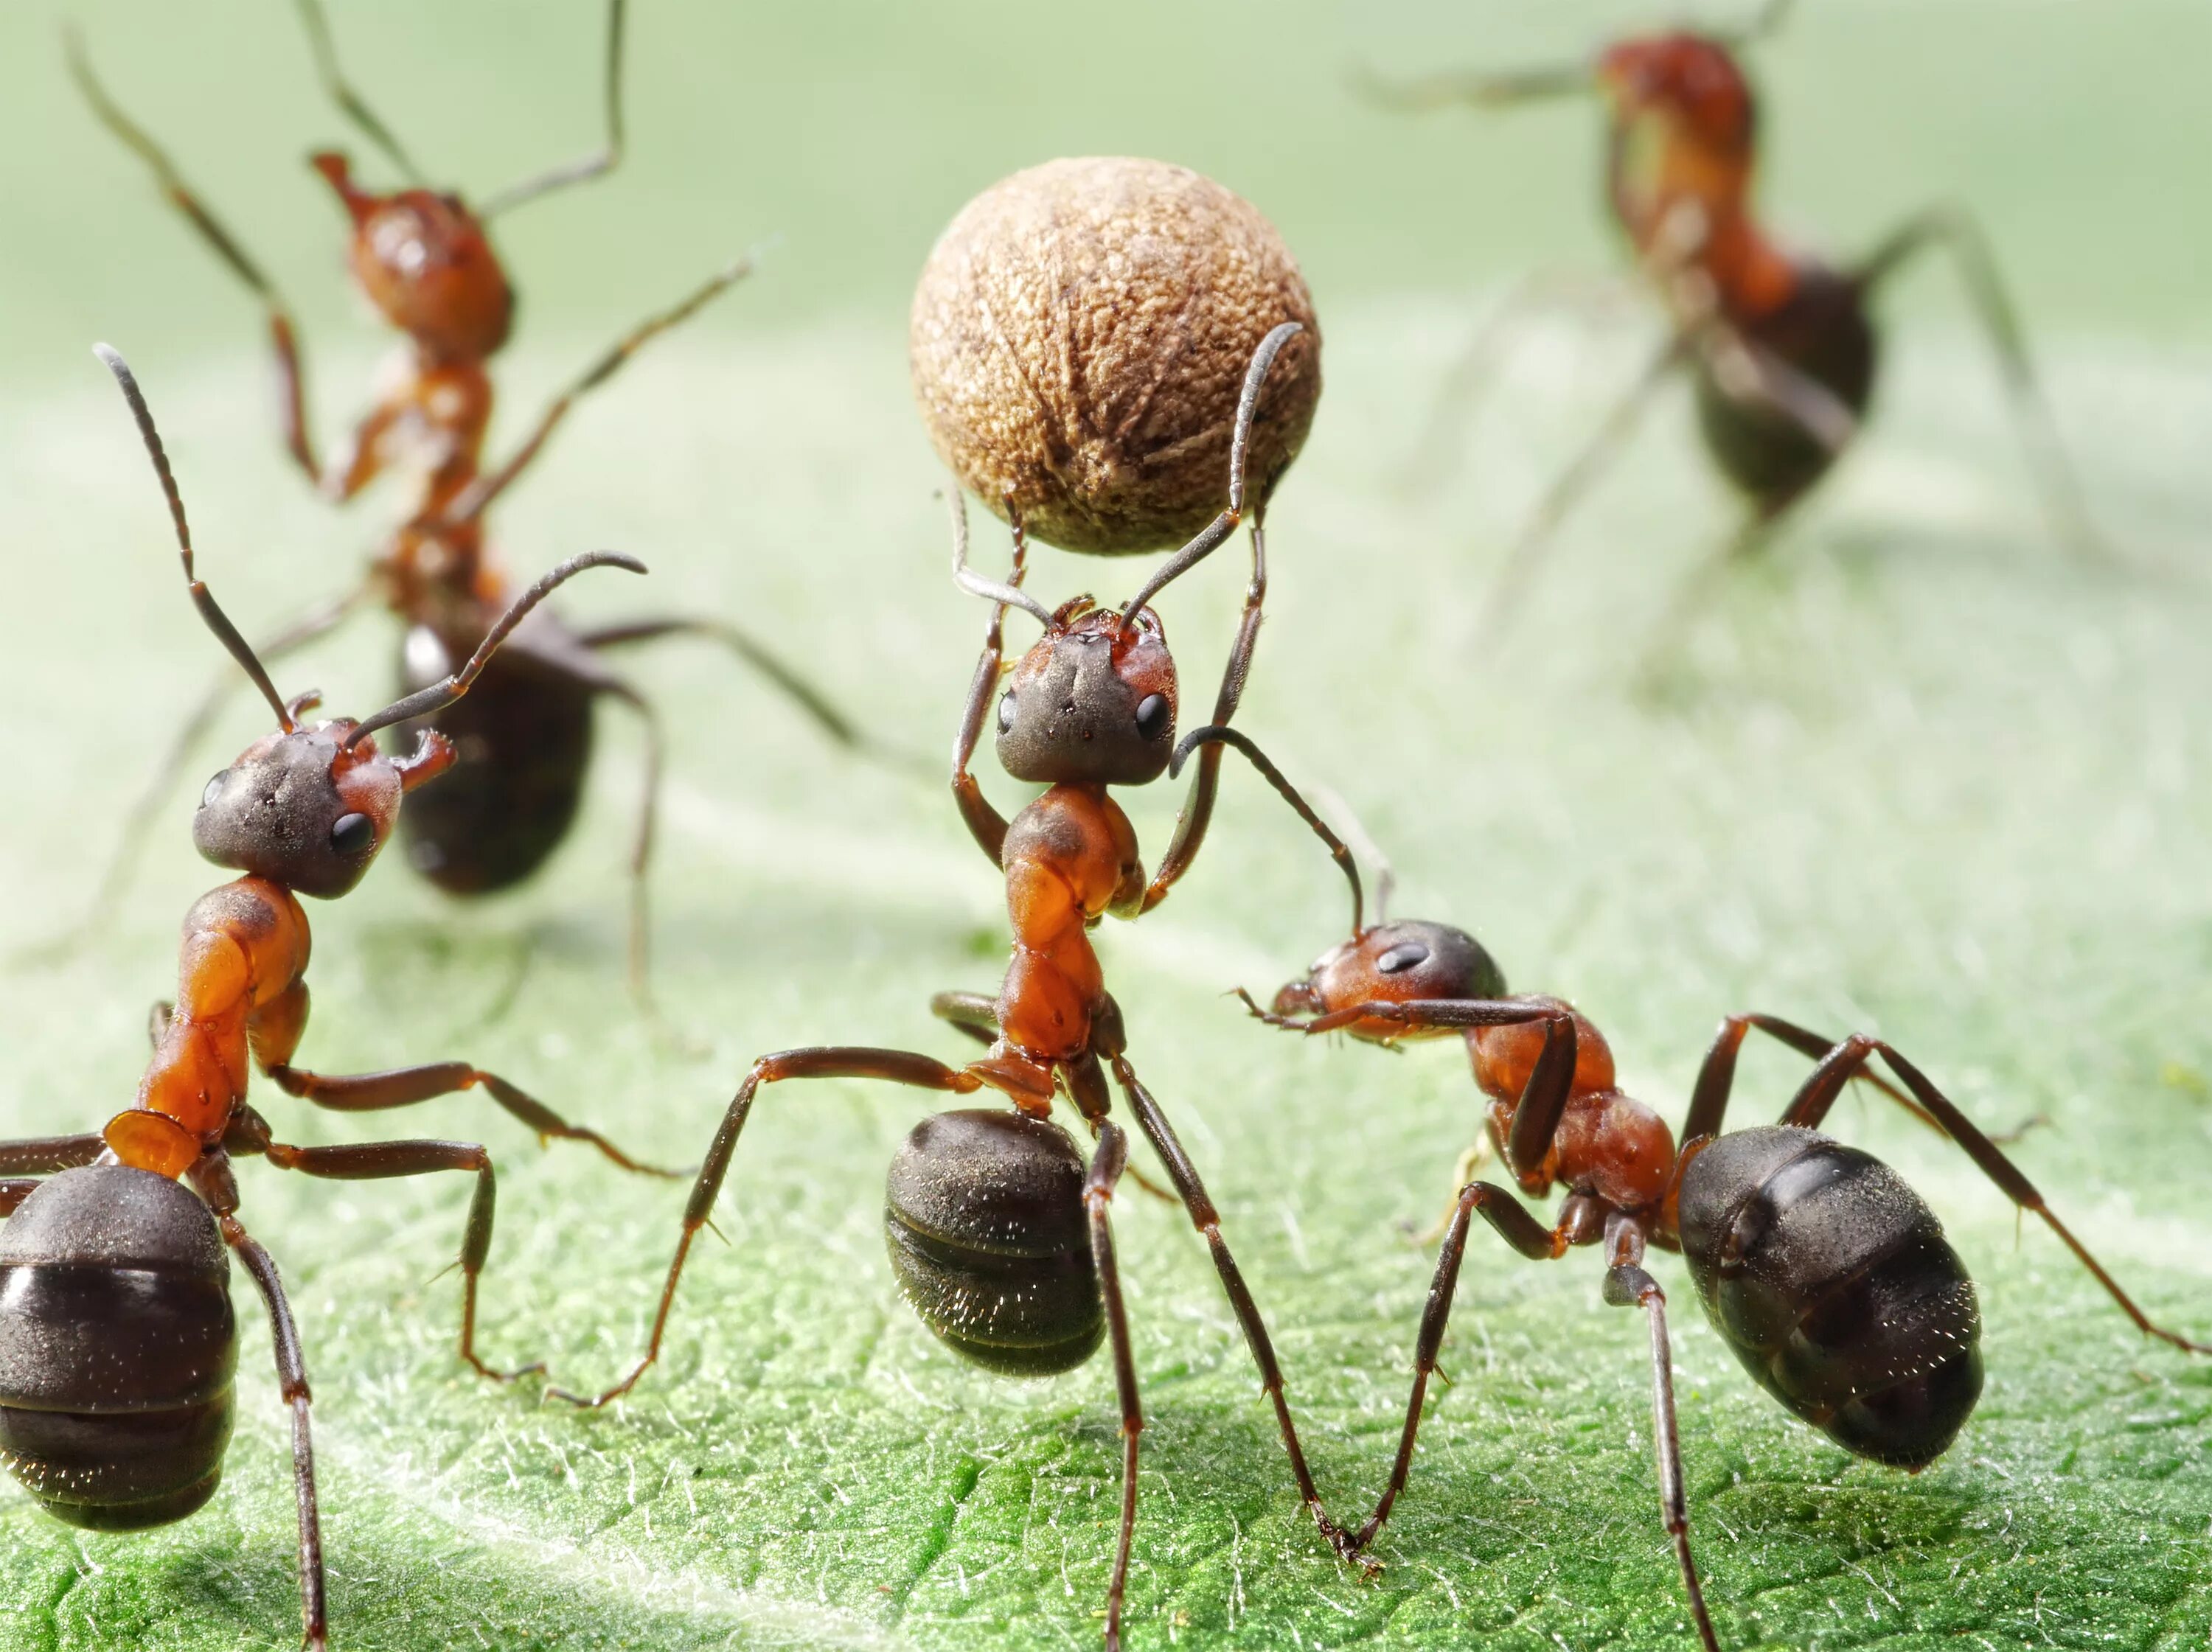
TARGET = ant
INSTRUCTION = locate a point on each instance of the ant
(999, 1234)
(1825, 1273)
(1780, 345)
(424, 260)
(116, 1342)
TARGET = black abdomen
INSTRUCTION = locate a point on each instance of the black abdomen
(116, 1348)
(1823, 333)
(523, 735)
(1832, 1280)
(983, 1215)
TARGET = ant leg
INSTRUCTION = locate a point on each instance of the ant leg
(1617, 426)
(776, 672)
(383, 1160)
(975, 1014)
(13, 1190)
(1197, 812)
(1470, 1160)
(42, 1155)
(985, 823)
(1627, 1286)
(1512, 1223)
(1716, 1077)
(470, 502)
(596, 165)
(1476, 367)
(1207, 1220)
(640, 848)
(828, 1061)
(1818, 1094)
(372, 1093)
(292, 1376)
(1951, 226)
(283, 337)
(145, 810)
(1106, 1167)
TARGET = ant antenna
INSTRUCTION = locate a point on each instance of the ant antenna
(202, 598)
(325, 51)
(424, 703)
(1217, 532)
(592, 166)
(1221, 734)
(1007, 595)
(1355, 833)
(1766, 20)
(1482, 91)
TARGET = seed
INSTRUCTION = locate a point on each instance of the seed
(1078, 340)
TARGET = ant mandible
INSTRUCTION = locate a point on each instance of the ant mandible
(424, 260)
(1825, 1273)
(1780, 344)
(999, 1234)
(115, 1393)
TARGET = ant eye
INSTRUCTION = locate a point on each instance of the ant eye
(352, 834)
(214, 790)
(1152, 716)
(1006, 711)
(1402, 956)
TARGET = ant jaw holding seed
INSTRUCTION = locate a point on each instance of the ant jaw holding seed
(425, 263)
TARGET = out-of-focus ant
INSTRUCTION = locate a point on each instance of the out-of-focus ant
(424, 260)
(117, 1343)
(1780, 345)
(1824, 1273)
(999, 1234)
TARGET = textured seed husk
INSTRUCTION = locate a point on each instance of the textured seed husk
(1079, 341)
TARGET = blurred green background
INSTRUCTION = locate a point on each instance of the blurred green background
(1917, 771)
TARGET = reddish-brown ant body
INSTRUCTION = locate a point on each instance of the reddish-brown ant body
(999, 1234)
(117, 1343)
(1824, 1273)
(1780, 344)
(424, 260)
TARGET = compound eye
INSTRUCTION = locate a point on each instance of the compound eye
(214, 790)
(1152, 716)
(352, 834)
(1006, 711)
(1401, 957)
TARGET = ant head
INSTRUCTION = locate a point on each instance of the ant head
(307, 809)
(426, 264)
(1690, 82)
(1094, 701)
(1394, 963)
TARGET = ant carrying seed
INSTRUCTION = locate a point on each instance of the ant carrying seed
(1824, 1273)
(999, 1234)
(116, 1342)
(424, 260)
(1780, 345)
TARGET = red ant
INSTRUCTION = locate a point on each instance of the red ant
(1780, 344)
(425, 261)
(1000, 1235)
(117, 1344)
(1824, 1273)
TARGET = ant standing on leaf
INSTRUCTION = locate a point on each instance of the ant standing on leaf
(999, 1234)
(1780, 344)
(424, 260)
(117, 1343)
(1824, 1273)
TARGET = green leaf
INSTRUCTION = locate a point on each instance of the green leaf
(1915, 771)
